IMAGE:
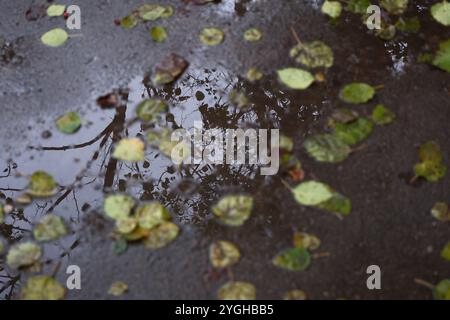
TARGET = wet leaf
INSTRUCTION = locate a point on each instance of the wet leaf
(2, 214)
(118, 206)
(311, 193)
(120, 246)
(441, 12)
(431, 166)
(158, 34)
(252, 35)
(55, 10)
(306, 241)
(23, 255)
(42, 288)
(211, 36)
(445, 253)
(55, 37)
(223, 254)
(126, 225)
(410, 25)
(342, 115)
(394, 6)
(442, 290)
(169, 69)
(338, 204)
(118, 288)
(137, 234)
(442, 58)
(237, 290)
(131, 149)
(129, 22)
(327, 148)
(358, 6)
(382, 115)
(332, 8)
(50, 227)
(151, 215)
(42, 184)
(69, 123)
(295, 295)
(151, 12)
(295, 78)
(286, 143)
(162, 235)
(441, 211)
(253, 74)
(357, 93)
(233, 210)
(293, 259)
(168, 12)
(149, 109)
(354, 132)
(313, 54)
(386, 31)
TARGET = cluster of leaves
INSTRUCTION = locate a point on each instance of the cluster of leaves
(146, 12)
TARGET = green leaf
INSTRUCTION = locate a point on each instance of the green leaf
(394, 6)
(295, 78)
(151, 215)
(431, 166)
(442, 58)
(158, 34)
(118, 206)
(55, 10)
(293, 259)
(253, 74)
(382, 115)
(148, 109)
(151, 12)
(69, 123)
(237, 290)
(126, 225)
(55, 37)
(286, 143)
(327, 148)
(313, 54)
(223, 254)
(354, 132)
(442, 290)
(42, 184)
(50, 227)
(233, 210)
(445, 253)
(386, 31)
(338, 204)
(306, 241)
(358, 6)
(441, 12)
(211, 36)
(168, 12)
(410, 25)
(130, 150)
(129, 22)
(441, 211)
(252, 35)
(332, 8)
(42, 288)
(311, 193)
(162, 235)
(118, 288)
(23, 255)
(357, 93)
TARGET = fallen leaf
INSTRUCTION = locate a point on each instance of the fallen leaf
(118, 206)
(158, 34)
(306, 241)
(293, 259)
(23, 255)
(311, 193)
(162, 235)
(442, 290)
(55, 10)
(129, 22)
(313, 54)
(151, 12)
(233, 210)
(295, 295)
(394, 6)
(237, 290)
(118, 288)
(151, 215)
(445, 253)
(42, 184)
(353, 132)
(357, 93)
(148, 109)
(50, 227)
(332, 9)
(223, 254)
(441, 211)
(55, 37)
(382, 115)
(327, 148)
(69, 123)
(295, 78)
(253, 74)
(169, 69)
(211, 36)
(252, 35)
(358, 6)
(442, 58)
(42, 288)
(431, 166)
(129, 149)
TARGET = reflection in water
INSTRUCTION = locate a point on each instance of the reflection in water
(398, 53)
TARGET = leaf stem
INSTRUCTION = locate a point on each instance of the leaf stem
(295, 35)
(424, 283)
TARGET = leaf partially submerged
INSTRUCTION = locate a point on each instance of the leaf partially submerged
(223, 254)
(442, 290)
(118, 206)
(162, 235)
(338, 204)
(69, 123)
(394, 6)
(55, 37)
(293, 259)
(237, 290)
(149, 109)
(211, 36)
(158, 33)
(441, 12)
(313, 54)
(151, 215)
(382, 115)
(441, 211)
(233, 210)
(306, 241)
(169, 69)
(42, 184)
(353, 132)
(151, 12)
(42, 288)
(311, 193)
(327, 148)
(50, 227)
(445, 253)
(442, 58)
(129, 150)
(332, 9)
(252, 35)
(431, 166)
(23, 255)
(295, 78)
(357, 93)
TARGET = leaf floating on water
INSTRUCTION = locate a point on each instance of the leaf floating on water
(382, 115)
(394, 6)
(168, 12)
(23, 255)
(130, 150)
(169, 69)
(295, 295)
(118, 288)
(55, 10)
(55, 37)
(162, 235)
(211, 36)
(129, 22)
(306, 241)
(50, 227)
(353, 132)
(223, 254)
(445, 253)
(327, 148)
(311, 193)
(357, 93)
(313, 54)
(42, 288)
(118, 206)
(233, 210)
(42, 184)
(237, 290)
(442, 58)
(293, 259)
(338, 204)
(253, 74)
(252, 35)
(151, 215)
(441, 211)
(441, 12)
(158, 34)
(332, 9)
(358, 6)
(442, 290)
(149, 109)
(431, 166)
(69, 123)
(151, 12)
(295, 78)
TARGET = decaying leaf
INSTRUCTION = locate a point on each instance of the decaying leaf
(293, 259)
(358, 6)
(126, 225)
(223, 254)
(311, 193)
(169, 69)
(151, 215)
(394, 6)
(295, 295)
(158, 33)
(313, 54)
(353, 132)
(55, 10)
(357, 93)
(162, 235)
(382, 115)
(441, 12)
(55, 37)
(252, 35)
(211, 36)
(441, 211)
(118, 288)
(442, 290)
(233, 210)
(237, 290)
(149, 109)
(50, 227)
(327, 148)
(130, 150)
(23, 255)
(129, 22)
(151, 12)
(332, 9)
(42, 184)
(386, 31)
(69, 123)
(295, 78)
(118, 206)
(42, 288)
(431, 166)
(253, 74)
(306, 240)
(442, 58)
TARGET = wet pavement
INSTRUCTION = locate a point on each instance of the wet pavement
(390, 224)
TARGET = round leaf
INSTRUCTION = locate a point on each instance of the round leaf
(151, 215)
(211, 36)
(23, 255)
(233, 210)
(42, 184)
(148, 109)
(130, 150)
(295, 78)
(55, 10)
(69, 123)
(50, 227)
(118, 206)
(332, 8)
(161, 235)
(252, 35)
(55, 37)
(441, 12)
(326, 148)
(158, 34)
